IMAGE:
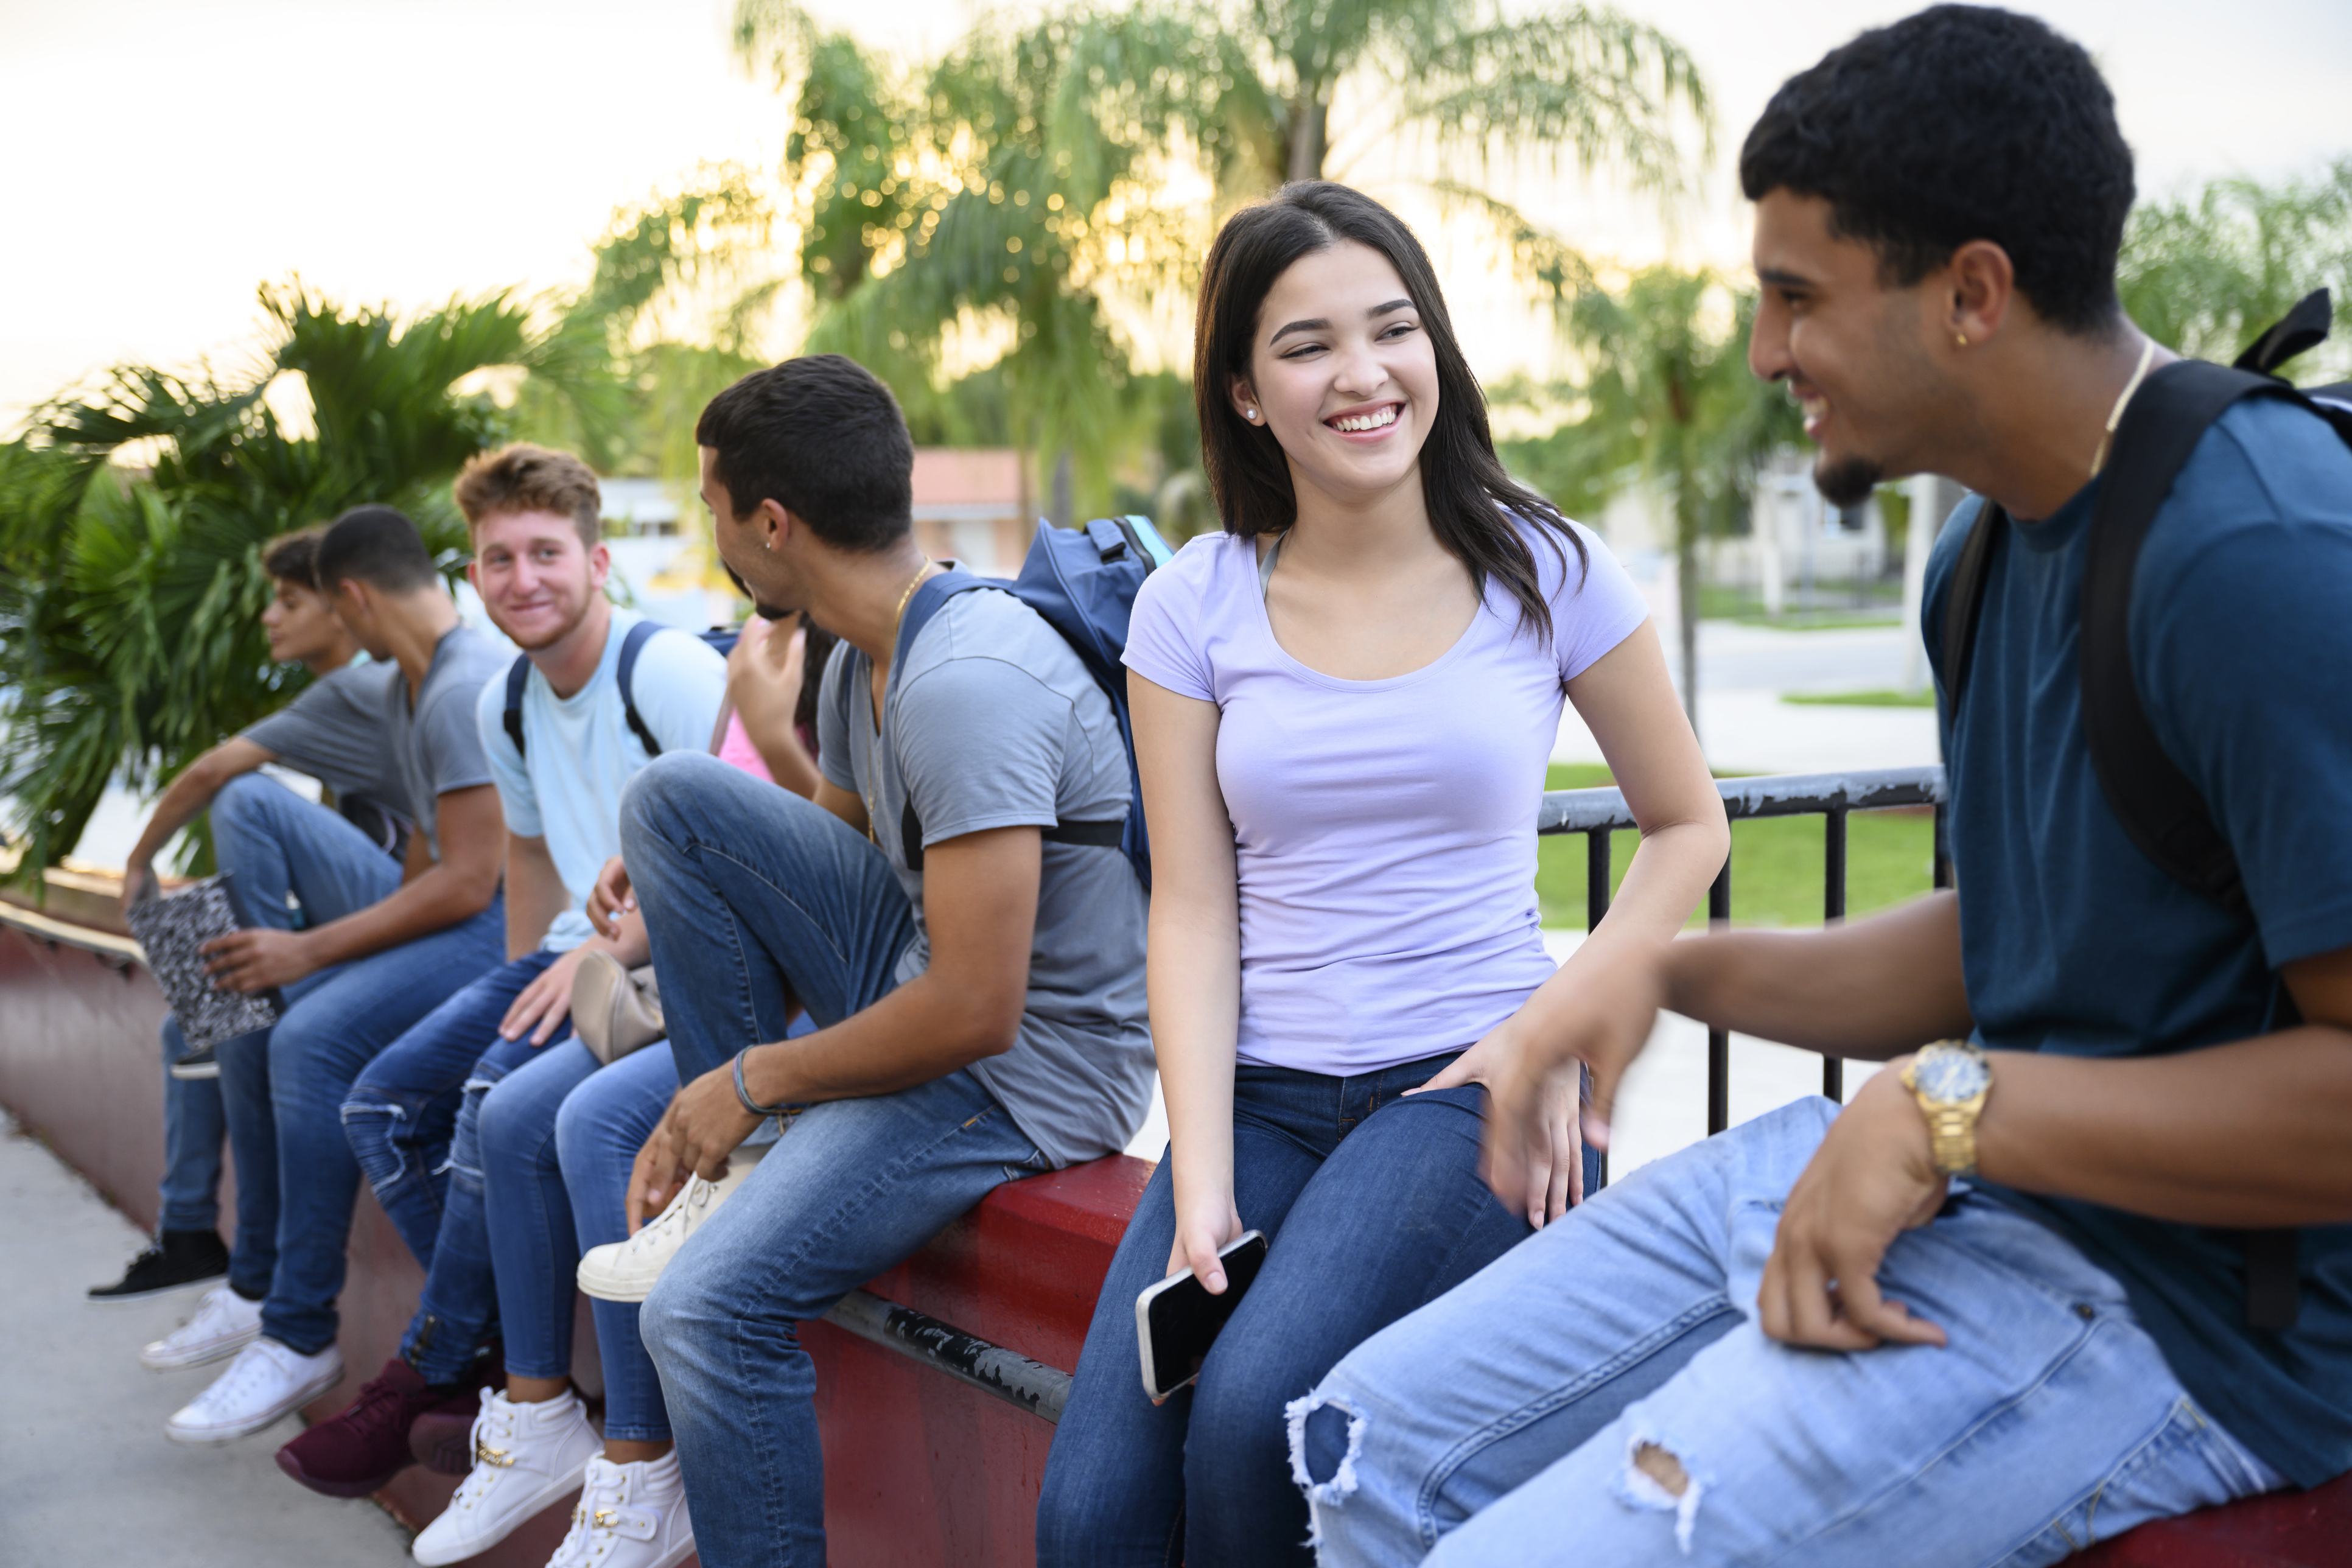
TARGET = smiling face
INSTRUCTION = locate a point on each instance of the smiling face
(1855, 351)
(537, 579)
(1342, 371)
(301, 625)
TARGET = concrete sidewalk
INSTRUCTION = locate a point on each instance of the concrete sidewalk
(89, 1478)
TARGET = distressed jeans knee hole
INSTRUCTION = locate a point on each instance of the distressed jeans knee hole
(1327, 1437)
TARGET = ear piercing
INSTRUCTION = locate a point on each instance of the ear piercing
(1251, 414)
(1962, 339)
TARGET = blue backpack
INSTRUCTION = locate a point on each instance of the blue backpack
(632, 642)
(1083, 582)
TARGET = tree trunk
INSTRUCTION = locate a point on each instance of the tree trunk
(1062, 510)
(1310, 127)
(1687, 596)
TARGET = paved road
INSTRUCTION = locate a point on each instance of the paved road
(85, 1475)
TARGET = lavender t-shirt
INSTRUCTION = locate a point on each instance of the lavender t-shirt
(1384, 831)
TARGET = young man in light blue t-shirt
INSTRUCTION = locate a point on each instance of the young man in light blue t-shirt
(412, 1116)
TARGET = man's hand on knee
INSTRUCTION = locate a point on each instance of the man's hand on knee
(1872, 1178)
(658, 1175)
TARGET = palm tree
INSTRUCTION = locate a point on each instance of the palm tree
(1666, 401)
(1011, 194)
(2206, 273)
(133, 519)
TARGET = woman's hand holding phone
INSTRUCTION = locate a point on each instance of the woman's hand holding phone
(1204, 1223)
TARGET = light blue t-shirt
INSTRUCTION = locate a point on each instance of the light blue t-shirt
(579, 752)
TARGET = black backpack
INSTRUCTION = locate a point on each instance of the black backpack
(2160, 808)
(633, 643)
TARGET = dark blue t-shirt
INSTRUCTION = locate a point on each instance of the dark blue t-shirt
(2073, 941)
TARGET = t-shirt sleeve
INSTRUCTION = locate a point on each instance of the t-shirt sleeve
(980, 742)
(449, 740)
(299, 733)
(833, 721)
(1596, 608)
(2241, 651)
(678, 684)
(516, 798)
(1165, 641)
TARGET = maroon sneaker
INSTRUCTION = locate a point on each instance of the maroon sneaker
(355, 1453)
(442, 1438)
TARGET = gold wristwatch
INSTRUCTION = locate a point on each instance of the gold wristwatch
(1950, 1079)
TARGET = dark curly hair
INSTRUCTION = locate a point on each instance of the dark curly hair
(1961, 122)
(1464, 484)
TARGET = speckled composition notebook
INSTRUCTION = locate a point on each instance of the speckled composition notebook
(172, 931)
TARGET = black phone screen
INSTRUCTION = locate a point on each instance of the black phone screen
(1183, 1319)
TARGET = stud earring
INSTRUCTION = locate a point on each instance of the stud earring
(1962, 339)
(1252, 414)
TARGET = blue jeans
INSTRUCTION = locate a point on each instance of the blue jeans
(559, 1137)
(754, 898)
(300, 1071)
(1500, 1424)
(1375, 1206)
(413, 1118)
(277, 844)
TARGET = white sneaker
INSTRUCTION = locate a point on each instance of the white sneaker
(625, 1270)
(628, 1516)
(265, 1381)
(224, 1323)
(525, 1458)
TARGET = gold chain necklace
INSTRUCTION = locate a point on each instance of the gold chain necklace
(2115, 414)
(873, 763)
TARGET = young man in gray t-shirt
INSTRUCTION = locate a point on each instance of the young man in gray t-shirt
(977, 980)
(286, 856)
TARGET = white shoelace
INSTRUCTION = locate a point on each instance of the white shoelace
(695, 1194)
(493, 1426)
(212, 1317)
(254, 1362)
(604, 1502)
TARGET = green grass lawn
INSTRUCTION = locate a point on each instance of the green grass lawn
(1776, 862)
(1921, 698)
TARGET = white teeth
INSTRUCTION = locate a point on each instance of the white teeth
(1378, 420)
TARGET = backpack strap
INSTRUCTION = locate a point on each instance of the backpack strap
(928, 601)
(516, 673)
(1965, 606)
(633, 643)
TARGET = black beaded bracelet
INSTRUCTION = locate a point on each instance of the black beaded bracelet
(744, 1095)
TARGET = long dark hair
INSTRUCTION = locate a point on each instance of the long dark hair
(1468, 493)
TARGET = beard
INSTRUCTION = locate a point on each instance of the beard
(1848, 481)
(761, 608)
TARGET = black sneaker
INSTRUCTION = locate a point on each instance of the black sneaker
(178, 1259)
(197, 1064)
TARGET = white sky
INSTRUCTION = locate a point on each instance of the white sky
(163, 158)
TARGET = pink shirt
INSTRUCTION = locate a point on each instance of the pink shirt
(1383, 830)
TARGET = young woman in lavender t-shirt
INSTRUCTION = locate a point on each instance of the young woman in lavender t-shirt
(1344, 707)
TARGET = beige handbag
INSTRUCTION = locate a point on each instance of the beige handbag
(614, 1010)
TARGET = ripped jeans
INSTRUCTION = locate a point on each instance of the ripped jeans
(1602, 1394)
(413, 1120)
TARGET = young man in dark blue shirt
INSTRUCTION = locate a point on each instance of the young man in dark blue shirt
(1999, 1306)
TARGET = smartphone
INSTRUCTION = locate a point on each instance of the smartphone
(1177, 1319)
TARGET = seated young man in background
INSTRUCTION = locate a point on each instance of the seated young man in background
(412, 1116)
(2008, 1300)
(354, 983)
(278, 846)
(978, 988)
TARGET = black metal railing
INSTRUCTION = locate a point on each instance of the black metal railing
(1599, 813)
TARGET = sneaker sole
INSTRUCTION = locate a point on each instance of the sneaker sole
(118, 1298)
(369, 1488)
(218, 1436)
(605, 1290)
(197, 1358)
(523, 1514)
(204, 1074)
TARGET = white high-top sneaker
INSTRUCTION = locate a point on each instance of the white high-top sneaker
(628, 1516)
(266, 1381)
(625, 1270)
(525, 1458)
(224, 1323)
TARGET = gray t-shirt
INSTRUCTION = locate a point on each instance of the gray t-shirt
(435, 743)
(991, 721)
(334, 731)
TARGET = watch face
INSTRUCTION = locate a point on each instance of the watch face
(1950, 1077)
